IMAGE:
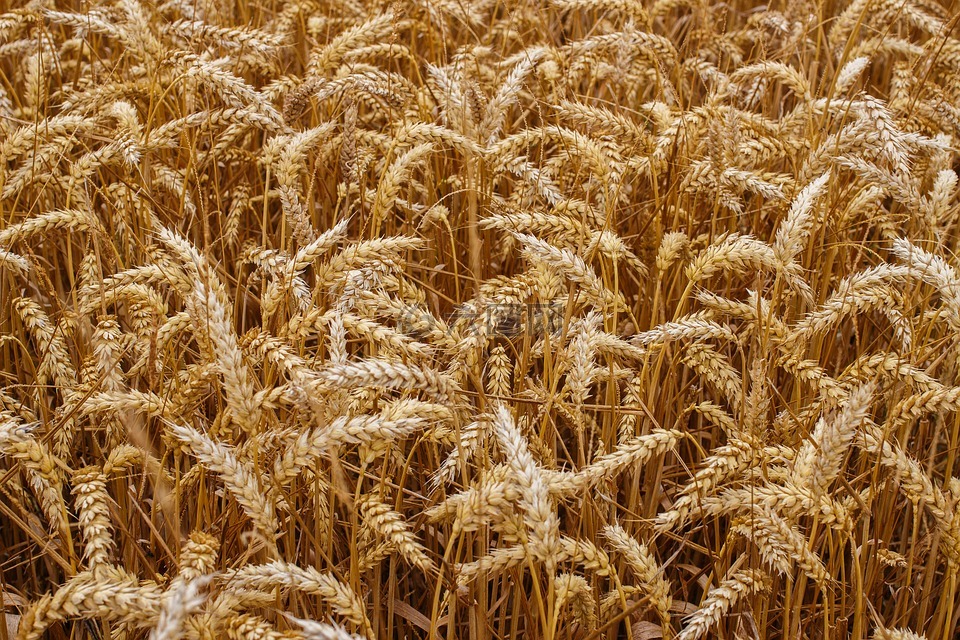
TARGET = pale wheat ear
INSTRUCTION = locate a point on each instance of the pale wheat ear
(238, 476)
(198, 556)
(390, 525)
(881, 633)
(313, 630)
(183, 599)
(646, 569)
(339, 596)
(90, 498)
(720, 599)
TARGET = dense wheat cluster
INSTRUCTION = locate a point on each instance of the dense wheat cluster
(543, 320)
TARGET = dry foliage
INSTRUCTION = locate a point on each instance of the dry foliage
(467, 320)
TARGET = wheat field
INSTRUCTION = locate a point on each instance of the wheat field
(477, 320)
